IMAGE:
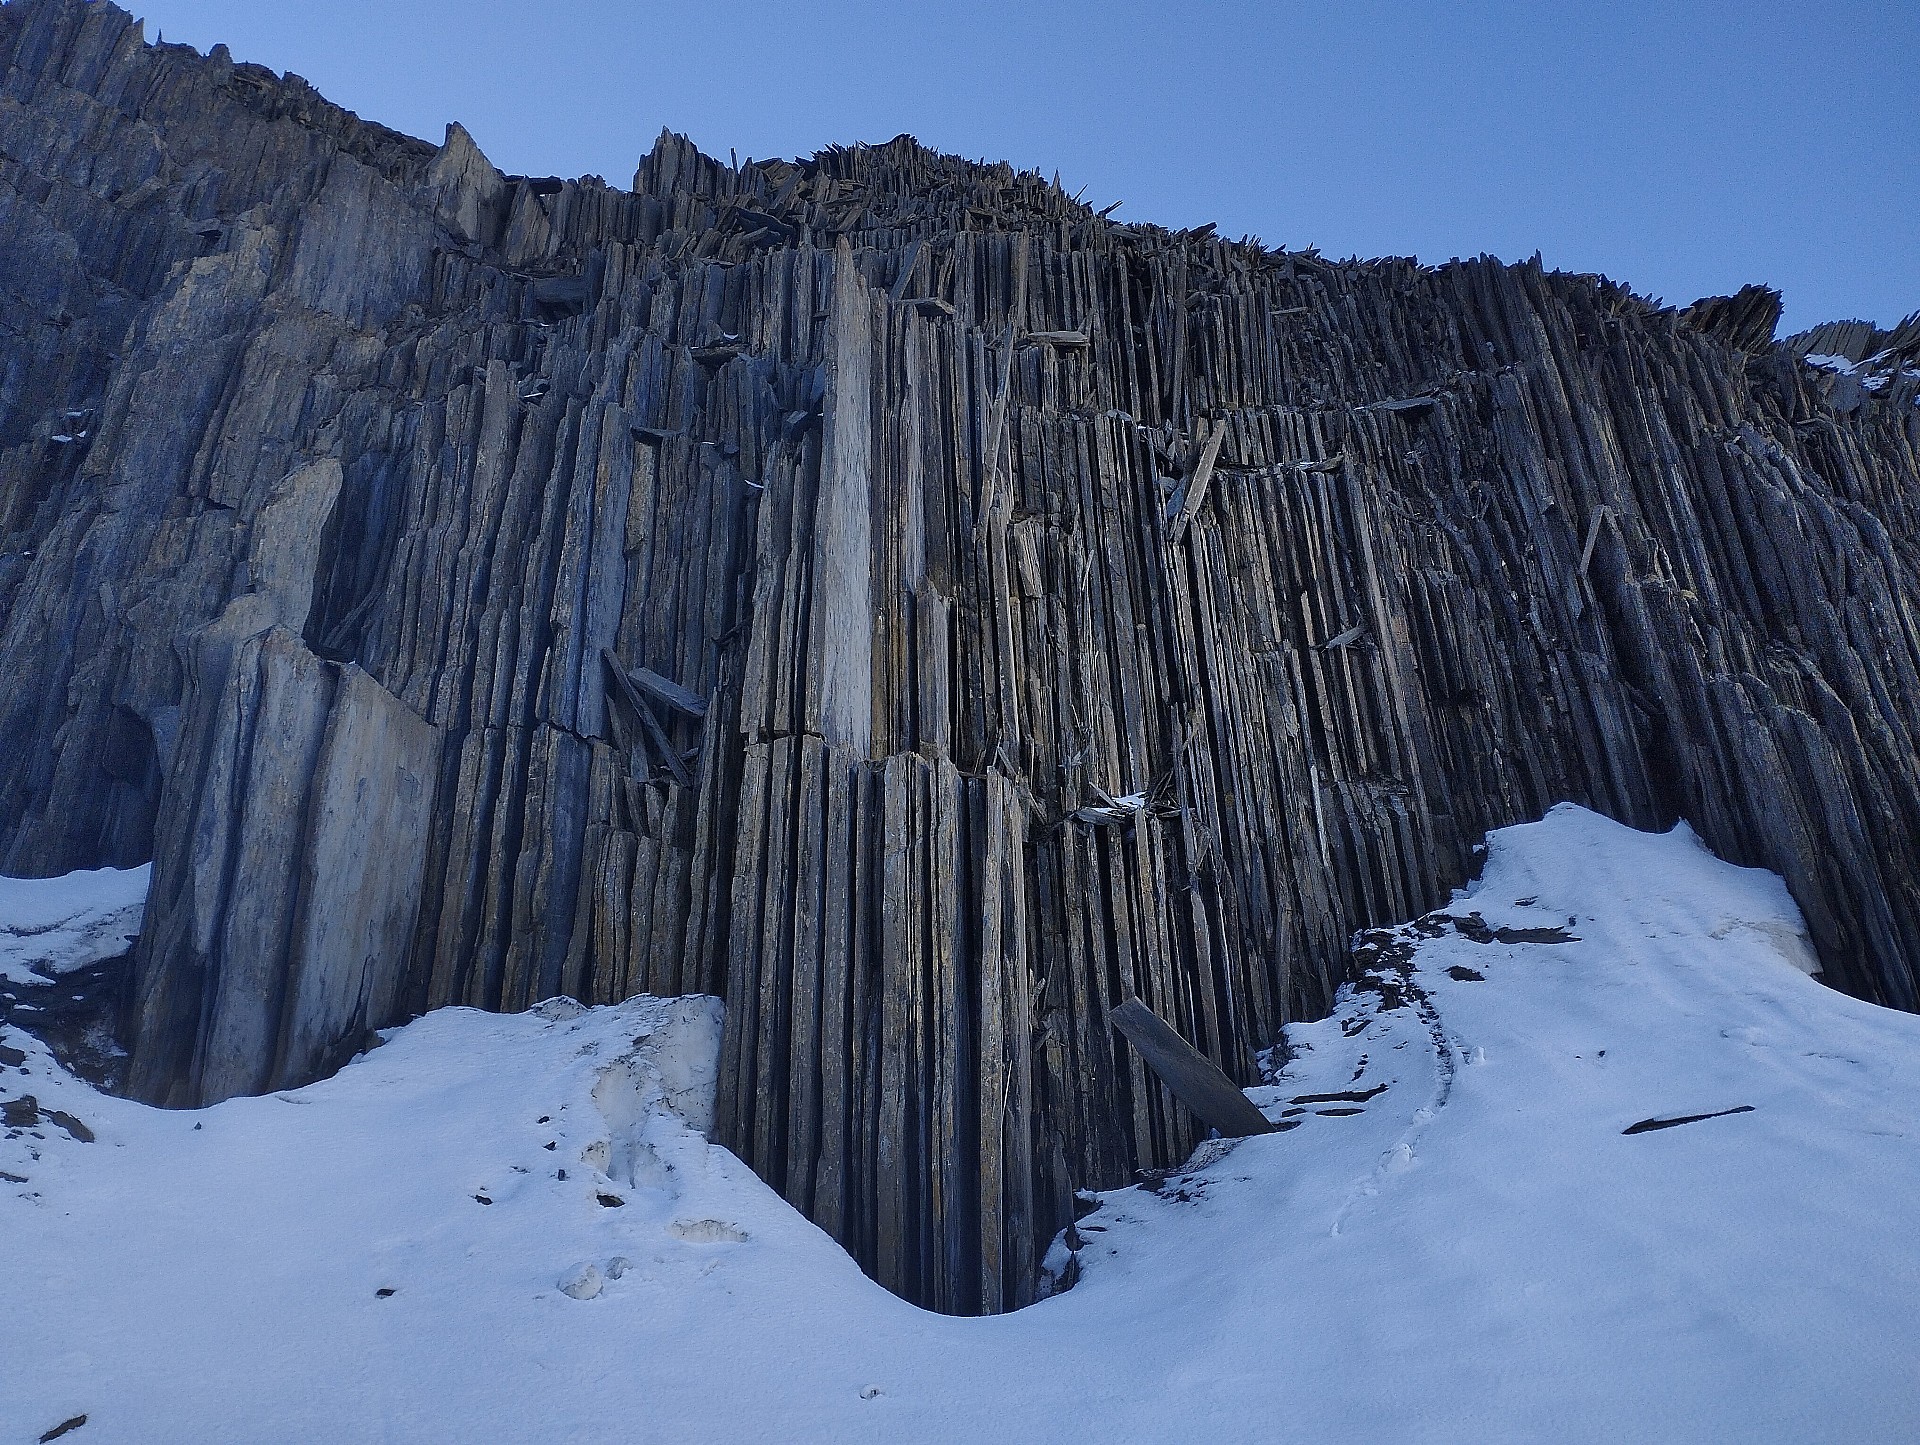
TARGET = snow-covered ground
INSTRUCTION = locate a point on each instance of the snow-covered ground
(1472, 1243)
(59, 924)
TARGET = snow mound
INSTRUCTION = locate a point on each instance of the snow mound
(51, 926)
(1586, 1155)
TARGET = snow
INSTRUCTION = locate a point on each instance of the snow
(1880, 380)
(1468, 1247)
(61, 924)
(1874, 373)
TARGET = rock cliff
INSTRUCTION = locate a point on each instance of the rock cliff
(882, 592)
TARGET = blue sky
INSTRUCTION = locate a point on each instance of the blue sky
(1683, 148)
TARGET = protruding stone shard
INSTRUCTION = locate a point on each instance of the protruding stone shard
(1745, 320)
(469, 196)
(1194, 1078)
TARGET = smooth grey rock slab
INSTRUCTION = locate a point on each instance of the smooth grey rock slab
(368, 814)
(284, 921)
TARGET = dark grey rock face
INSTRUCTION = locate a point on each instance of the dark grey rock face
(881, 592)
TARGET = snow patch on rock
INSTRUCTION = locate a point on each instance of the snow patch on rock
(51, 926)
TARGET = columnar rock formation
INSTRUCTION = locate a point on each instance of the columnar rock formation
(878, 590)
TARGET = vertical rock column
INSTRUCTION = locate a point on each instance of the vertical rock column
(292, 831)
(283, 904)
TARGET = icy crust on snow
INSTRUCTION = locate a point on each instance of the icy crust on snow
(1479, 1221)
(50, 926)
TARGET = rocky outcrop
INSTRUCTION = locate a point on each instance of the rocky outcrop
(283, 908)
(881, 592)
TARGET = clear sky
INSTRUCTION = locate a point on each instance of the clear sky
(1684, 148)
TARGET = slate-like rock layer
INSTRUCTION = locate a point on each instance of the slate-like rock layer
(878, 590)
